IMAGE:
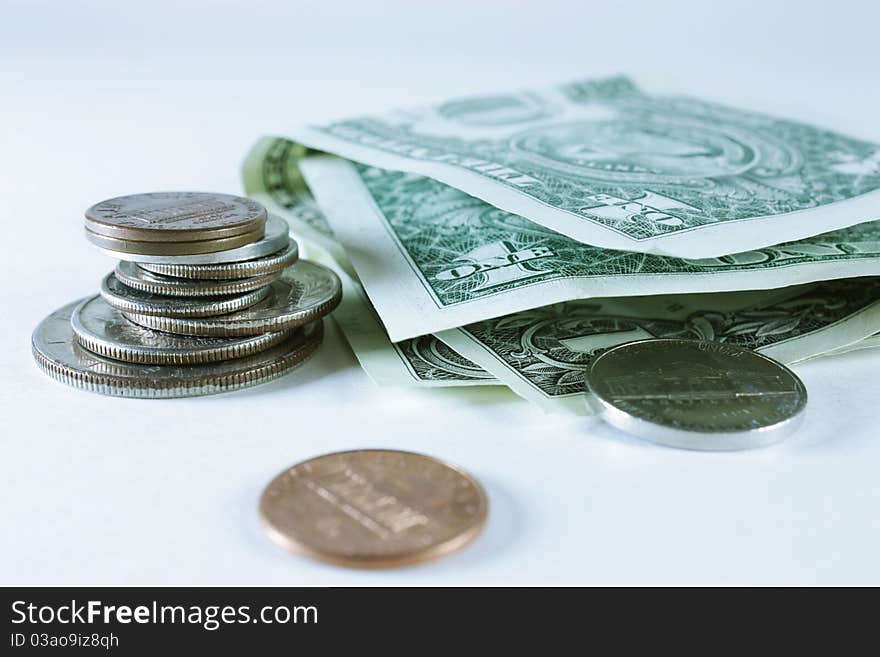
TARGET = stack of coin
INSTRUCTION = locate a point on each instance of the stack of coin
(208, 296)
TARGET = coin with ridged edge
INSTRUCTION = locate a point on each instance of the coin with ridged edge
(127, 299)
(266, 265)
(132, 275)
(175, 216)
(373, 508)
(61, 357)
(275, 239)
(102, 329)
(304, 293)
(696, 394)
(137, 249)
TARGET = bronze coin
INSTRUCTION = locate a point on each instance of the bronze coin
(373, 508)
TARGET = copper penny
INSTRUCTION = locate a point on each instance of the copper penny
(373, 508)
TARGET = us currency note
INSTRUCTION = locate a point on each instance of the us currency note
(432, 257)
(606, 164)
(543, 353)
(423, 361)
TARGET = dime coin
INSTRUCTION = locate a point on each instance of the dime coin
(265, 265)
(275, 239)
(373, 508)
(304, 293)
(59, 355)
(102, 329)
(143, 248)
(175, 217)
(145, 281)
(697, 394)
(125, 298)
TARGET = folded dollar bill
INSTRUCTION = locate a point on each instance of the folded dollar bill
(542, 354)
(432, 257)
(606, 164)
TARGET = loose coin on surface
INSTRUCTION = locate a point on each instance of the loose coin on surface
(275, 239)
(60, 356)
(697, 394)
(304, 293)
(100, 328)
(175, 216)
(145, 281)
(373, 508)
(125, 298)
(142, 249)
(265, 265)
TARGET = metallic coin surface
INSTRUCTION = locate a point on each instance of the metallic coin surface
(140, 249)
(265, 265)
(304, 293)
(373, 508)
(127, 299)
(275, 238)
(60, 356)
(696, 394)
(145, 281)
(102, 329)
(175, 216)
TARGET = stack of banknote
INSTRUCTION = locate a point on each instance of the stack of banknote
(508, 238)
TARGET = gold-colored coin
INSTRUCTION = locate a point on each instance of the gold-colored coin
(136, 248)
(373, 508)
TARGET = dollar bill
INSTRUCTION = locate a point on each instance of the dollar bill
(431, 257)
(606, 164)
(423, 361)
(542, 354)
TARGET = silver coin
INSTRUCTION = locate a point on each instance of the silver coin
(696, 394)
(274, 239)
(60, 356)
(125, 298)
(169, 249)
(175, 216)
(102, 329)
(304, 293)
(266, 265)
(145, 281)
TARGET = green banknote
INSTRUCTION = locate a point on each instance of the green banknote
(432, 257)
(604, 163)
(423, 361)
(542, 354)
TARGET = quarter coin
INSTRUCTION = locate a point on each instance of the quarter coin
(125, 298)
(102, 329)
(135, 277)
(266, 265)
(303, 293)
(373, 508)
(697, 394)
(175, 216)
(61, 357)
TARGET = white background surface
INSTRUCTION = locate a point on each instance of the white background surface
(106, 98)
